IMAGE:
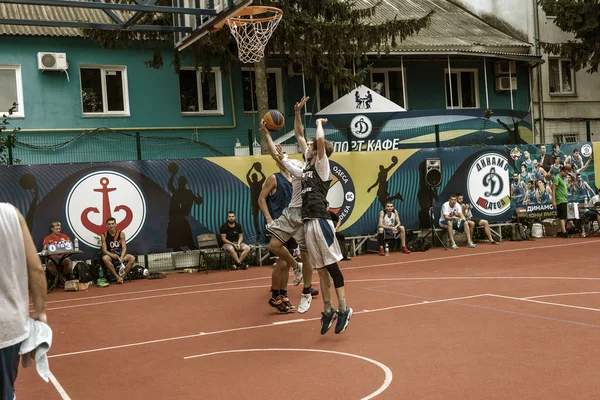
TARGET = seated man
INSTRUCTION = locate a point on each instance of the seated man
(475, 222)
(232, 237)
(452, 218)
(114, 251)
(593, 211)
(56, 236)
(389, 225)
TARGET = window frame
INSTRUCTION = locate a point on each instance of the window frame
(125, 87)
(573, 92)
(336, 95)
(459, 88)
(278, 85)
(219, 89)
(387, 82)
(19, 85)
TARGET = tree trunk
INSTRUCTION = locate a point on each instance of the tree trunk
(262, 97)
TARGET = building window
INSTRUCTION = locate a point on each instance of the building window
(200, 92)
(570, 137)
(465, 88)
(12, 90)
(104, 91)
(274, 90)
(390, 84)
(561, 76)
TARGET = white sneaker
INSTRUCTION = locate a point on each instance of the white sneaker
(298, 274)
(304, 305)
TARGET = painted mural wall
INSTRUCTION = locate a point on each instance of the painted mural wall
(163, 205)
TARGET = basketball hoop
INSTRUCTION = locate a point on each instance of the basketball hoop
(252, 28)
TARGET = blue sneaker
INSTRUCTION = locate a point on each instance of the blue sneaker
(343, 320)
(327, 320)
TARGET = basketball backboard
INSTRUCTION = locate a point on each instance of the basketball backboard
(203, 24)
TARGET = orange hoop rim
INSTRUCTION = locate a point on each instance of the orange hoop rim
(255, 10)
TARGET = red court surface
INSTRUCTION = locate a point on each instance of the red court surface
(515, 321)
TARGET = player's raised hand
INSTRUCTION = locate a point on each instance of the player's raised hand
(299, 105)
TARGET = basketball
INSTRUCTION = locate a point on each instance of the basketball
(173, 167)
(27, 181)
(394, 159)
(548, 176)
(274, 120)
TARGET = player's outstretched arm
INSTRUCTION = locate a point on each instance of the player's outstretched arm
(320, 138)
(298, 126)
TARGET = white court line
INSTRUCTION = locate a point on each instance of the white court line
(344, 269)
(471, 255)
(153, 297)
(58, 387)
(441, 278)
(153, 290)
(558, 294)
(386, 370)
(544, 302)
(245, 328)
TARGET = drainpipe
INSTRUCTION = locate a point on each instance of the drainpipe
(540, 90)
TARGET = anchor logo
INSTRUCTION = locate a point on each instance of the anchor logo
(106, 211)
(100, 195)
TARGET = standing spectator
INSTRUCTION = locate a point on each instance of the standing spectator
(389, 224)
(545, 160)
(21, 274)
(54, 237)
(452, 218)
(232, 237)
(559, 200)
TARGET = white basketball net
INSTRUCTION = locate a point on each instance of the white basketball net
(252, 37)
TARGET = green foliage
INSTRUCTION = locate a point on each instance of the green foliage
(582, 19)
(325, 36)
(7, 142)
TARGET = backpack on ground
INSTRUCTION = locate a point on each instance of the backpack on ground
(137, 272)
(83, 272)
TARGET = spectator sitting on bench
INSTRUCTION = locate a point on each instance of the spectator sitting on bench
(114, 251)
(452, 218)
(56, 236)
(593, 205)
(232, 237)
(389, 225)
(475, 222)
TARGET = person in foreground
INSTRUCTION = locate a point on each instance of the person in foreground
(319, 231)
(21, 273)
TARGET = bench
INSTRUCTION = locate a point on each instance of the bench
(356, 242)
(208, 245)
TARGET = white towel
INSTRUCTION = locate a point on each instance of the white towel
(36, 346)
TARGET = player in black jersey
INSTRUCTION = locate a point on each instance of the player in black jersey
(114, 251)
(319, 231)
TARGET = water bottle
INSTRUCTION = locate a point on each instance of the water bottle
(100, 273)
(387, 249)
(76, 244)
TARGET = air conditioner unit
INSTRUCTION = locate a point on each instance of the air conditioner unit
(503, 83)
(505, 67)
(52, 61)
(294, 69)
